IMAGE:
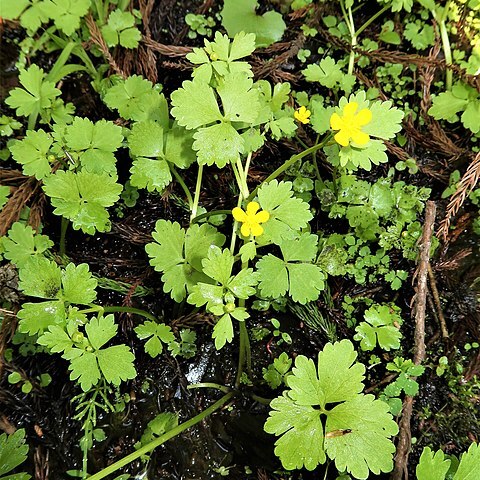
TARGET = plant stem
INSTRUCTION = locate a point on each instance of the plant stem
(197, 193)
(372, 19)
(216, 386)
(162, 439)
(290, 162)
(245, 352)
(447, 50)
(354, 42)
(210, 214)
(136, 311)
(262, 400)
(183, 185)
(63, 233)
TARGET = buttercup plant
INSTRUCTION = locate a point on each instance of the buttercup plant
(281, 228)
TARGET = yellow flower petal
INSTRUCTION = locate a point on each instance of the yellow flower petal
(239, 215)
(349, 109)
(252, 209)
(245, 230)
(360, 138)
(262, 217)
(257, 229)
(342, 138)
(363, 117)
(336, 122)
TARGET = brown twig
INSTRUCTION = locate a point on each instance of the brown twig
(419, 303)
(97, 38)
(436, 299)
(465, 186)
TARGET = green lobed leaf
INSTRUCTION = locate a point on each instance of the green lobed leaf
(287, 214)
(301, 430)
(116, 364)
(386, 120)
(154, 175)
(95, 142)
(56, 339)
(32, 153)
(36, 318)
(240, 16)
(13, 452)
(22, 243)
(223, 331)
(36, 94)
(4, 193)
(83, 197)
(78, 284)
(84, 368)
(137, 99)
(328, 73)
(158, 334)
(218, 144)
(100, 330)
(40, 278)
(31, 13)
(367, 447)
(66, 14)
(194, 104)
(469, 462)
(432, 465)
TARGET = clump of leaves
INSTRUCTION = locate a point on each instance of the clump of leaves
(21, 244)
(324, 413)
(435, 466)
(83, 198)
(276, 373)
(90, 360)
(120, 30)
(381, 326)
(462, 98)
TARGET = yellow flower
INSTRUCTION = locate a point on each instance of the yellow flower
(250, 219)
(302, 115)
(350, 125)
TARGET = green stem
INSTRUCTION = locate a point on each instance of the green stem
(216, 386)
(183, 185)
(243, 177)
(372, 19)
(242, 354)
(234, 227)
(447, 51)
(136, 311)
(210, 214)
(262, 400)
(162, 439)
(289, 163)
(354, 42)
(63, 233)
(197, 192)
(32, 121)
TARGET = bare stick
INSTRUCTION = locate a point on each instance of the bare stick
(419, 303)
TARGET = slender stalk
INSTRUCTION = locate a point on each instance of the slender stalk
(243, 177)
(262, 400)
(216, 386)
(210, 214)
(244, 354)
(372, 19)
(247, 165)
(354, 42)
(183, 185)
(63, 233)
(162, 439)
(32, 121)
(234, 228)
(447, 52)
(136, 311)
(289, 163)
(197, 193)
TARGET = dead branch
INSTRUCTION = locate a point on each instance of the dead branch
(97, 38)
(467, 183)
(419, 302)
